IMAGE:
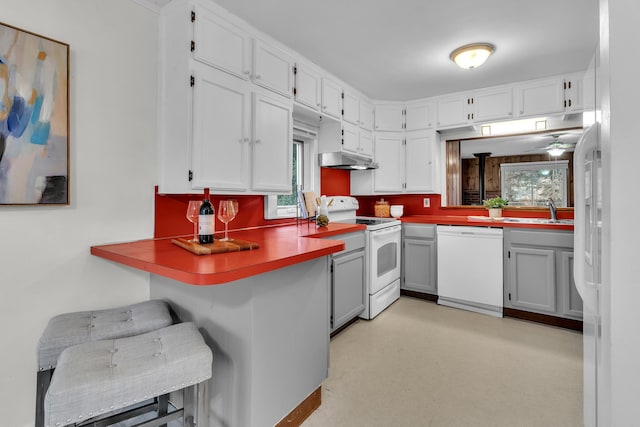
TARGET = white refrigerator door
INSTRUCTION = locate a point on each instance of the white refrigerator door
(588, 222)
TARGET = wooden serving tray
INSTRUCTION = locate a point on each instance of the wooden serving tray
(217, 247)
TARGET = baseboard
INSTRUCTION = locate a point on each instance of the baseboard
(420, 295)
(561, 322)
(303, 410)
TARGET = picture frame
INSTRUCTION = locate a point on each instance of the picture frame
(34, 118)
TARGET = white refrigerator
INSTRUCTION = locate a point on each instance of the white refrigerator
(587, 262)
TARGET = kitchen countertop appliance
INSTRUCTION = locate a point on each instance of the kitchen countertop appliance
(383, 252)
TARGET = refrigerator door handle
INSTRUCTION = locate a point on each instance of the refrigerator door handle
(588, 142)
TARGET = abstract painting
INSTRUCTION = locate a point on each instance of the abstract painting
(34, 119)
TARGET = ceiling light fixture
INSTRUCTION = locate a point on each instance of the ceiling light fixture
(472, 55)
(555, 151)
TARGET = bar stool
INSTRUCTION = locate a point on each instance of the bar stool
(95, 382)
(69, 329)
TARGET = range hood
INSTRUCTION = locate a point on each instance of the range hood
(340, 160)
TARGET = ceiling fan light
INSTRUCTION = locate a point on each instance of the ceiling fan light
(472, 55)
(555, 151)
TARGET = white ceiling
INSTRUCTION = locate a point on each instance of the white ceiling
(399, 50)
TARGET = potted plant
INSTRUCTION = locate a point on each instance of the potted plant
(495, 206)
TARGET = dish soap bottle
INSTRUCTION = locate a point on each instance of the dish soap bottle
(206, 225)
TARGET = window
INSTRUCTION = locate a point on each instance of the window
(305, 175)
(533, 183)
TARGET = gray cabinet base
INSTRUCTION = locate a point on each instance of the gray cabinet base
(561, 322)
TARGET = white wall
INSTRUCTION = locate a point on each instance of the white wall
(45, 265)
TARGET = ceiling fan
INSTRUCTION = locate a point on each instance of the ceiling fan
(556, 147)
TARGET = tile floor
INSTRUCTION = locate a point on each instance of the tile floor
(421, 364)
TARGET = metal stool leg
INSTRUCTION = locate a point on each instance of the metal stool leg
(196, 405)
(163, 406)
(43, 379)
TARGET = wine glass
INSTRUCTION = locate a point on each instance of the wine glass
(193, 210)
(226, 213)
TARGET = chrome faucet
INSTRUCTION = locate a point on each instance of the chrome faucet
(552, 210)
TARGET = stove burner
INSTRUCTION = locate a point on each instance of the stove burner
(368, 221)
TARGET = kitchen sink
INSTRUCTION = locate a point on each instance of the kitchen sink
(539, 221)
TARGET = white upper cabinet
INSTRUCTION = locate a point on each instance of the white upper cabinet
(272, 144)
(540, 97)
(475, 107)
(331, 98)
(574, 93)
(366, 115)
(419, 115)
(366, 143)
(388, 150)
(219, 43)
(221, 131)
(389, 117)
(453, 111)
(272, 68)
(492, 104)
(308, 86)
(350, 138)
(351, 108)
(419, 161)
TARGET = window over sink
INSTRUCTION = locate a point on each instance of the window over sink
(305, 174)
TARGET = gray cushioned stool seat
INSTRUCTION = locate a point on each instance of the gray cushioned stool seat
(95, 378)
(70, 329)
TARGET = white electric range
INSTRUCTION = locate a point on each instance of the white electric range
(383, 252)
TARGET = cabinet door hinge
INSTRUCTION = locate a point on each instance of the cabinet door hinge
(193, 46)
(190, 175)
(509, 296)
(192, 81)
(342, 95)
(295, 91)
(193, 16)
(332, 268)
(343, 111)
(508, 254)
(295, 70)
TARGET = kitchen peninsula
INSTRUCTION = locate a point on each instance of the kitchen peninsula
(264, 313)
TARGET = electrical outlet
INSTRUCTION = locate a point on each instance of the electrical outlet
(426, 202)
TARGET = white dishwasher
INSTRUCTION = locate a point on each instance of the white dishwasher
(470, 268)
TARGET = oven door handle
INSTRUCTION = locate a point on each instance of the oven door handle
(387, 230)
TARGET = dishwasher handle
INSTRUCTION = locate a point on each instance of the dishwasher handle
(473, 232)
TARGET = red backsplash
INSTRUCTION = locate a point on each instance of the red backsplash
(335, 182)
(171, 209)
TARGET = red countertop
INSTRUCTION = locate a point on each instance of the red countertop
(465, 220)
(279, 247)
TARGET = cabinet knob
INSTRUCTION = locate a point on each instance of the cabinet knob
(317, 104)
(257, 141)
(324, 107)
(247, 72)
(510, 113)
(521, 111)
(258, 76)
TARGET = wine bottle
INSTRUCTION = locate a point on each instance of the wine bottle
(206, 225)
